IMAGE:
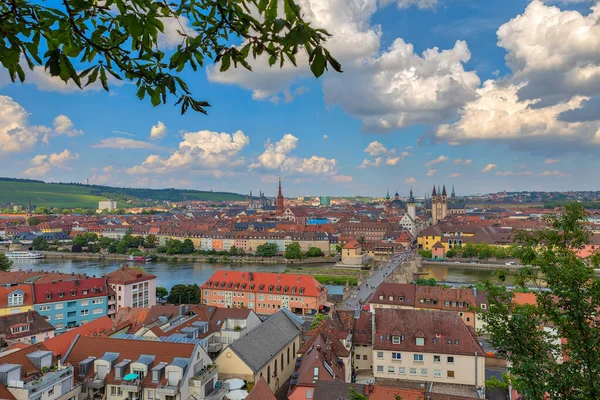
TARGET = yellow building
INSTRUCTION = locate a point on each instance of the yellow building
(15, 299)
(268, 351)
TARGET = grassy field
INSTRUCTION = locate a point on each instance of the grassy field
(330, 276)
(61, 195)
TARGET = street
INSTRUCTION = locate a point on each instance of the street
(364, 291)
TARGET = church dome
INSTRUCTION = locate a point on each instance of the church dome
(397, 204)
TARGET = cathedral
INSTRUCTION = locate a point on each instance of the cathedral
(409, 220)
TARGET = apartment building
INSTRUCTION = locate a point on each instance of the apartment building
(133, 287)
(28, 327)
(264, 292)
(32, 373)
(267, 351)
(116, 369)
(406, 295)
(70, 303)
(15, 298)
(427, 346)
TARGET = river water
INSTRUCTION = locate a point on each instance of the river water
(167, 273)
(462, 275)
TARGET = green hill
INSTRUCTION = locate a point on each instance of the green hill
(71, 195)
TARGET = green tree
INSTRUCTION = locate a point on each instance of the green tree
(33, 221)
(121, 248)
(293, 251)
(120, 39)
(39, 243)
(425, 253)
(40, 209)
(234, 251)
(319, 317)
(184, 294)
(267, 250)
(161, 292)
(5, 263)
(338, 248)
(540, 365)
(173, 246)
(112, 248)
(105, 242)
(187, 247)
(354, 395)
(150, 241)
(314, 252)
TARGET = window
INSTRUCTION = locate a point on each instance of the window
(48, 296)
(44, 308)
(151, 394)
(483, 306)
(396, 339)
(84, 303)
(391, 370)
(15, 299)
(437, 359)
(413, 371)
(402, 370)
(424, 372)
(365, 357)
(380, 354)
(420, 341)
(97, 311)
(450, 374)
(396, 356)
(380, 368)
(309, 393)
(58, 316)
(381, 297)
(261, 297)
(447, 303)
(113, 390)
(358, 356)
(456, 341)
(437, 373)
(51, 392)
(61, 294)
(98, 301)
(84, 292)
(391, 298)
(59, 306)
(418, 357)
(206, 293)
(85, 312)
(450, 360)
(251, 296)
(251, 304)
(400, 298)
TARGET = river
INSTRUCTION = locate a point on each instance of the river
(167, 273)
(461, 275)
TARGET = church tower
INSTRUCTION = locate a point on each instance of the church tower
(387, 202)
(411, 207)
(444, 203)
(280, 200)
(453, 196)
(434, 206)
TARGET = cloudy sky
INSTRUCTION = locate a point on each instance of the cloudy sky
(485, 95)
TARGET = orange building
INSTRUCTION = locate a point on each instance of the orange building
(264, 292)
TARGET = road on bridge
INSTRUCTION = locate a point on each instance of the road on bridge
(360, 295)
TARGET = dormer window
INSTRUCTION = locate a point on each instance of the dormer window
(420, 341)
(61, 294)
(391, 298)
(396, 339)
(15, 298)
(73, 293)
(400, 298)
(84, 292)
(48, 296)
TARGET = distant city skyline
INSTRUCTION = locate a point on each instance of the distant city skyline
(433, 92)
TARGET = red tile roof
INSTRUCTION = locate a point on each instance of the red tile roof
(386, 392)
(443, 332)
(20, 357)
(86, 347)
(71, 290)
(61, 343)
(127, 275)
(311, 286)
(5, 291)
(261, 391)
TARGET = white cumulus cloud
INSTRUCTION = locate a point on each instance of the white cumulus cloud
(435, 161)
(431, 172)
(460, 161)
(44, 163)
(206, 150)
(158, 131)
(122, 143)
(16, 135)
(64, 126)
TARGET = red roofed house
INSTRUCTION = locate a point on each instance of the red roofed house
(15, 299)
(264, 292)
(134, 287)
(70, 303)
(61, 343)
(352, 254)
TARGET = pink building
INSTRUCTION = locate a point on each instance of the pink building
(133, 287)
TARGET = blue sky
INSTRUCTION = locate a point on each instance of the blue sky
(484, 95)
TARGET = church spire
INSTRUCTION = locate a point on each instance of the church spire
(433, 193)
(280, 200)
(444, 191)
(452, 190)
(387, 196)
(411, 199)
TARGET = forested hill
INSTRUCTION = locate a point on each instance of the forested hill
(63, 195)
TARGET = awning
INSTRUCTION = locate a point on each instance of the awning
(328, 304)
(130, 377)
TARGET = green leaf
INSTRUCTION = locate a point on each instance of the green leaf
(262, 5)
(225, 62)
(317, 66)
(271, 13)
(93, 76)
(103, 79)
(288, 8)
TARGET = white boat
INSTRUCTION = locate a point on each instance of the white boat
(24, 255)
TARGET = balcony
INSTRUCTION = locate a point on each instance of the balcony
(93, 382)
(167, 390)
(131, 386)
(204, 376)
(49, 379)
(215, 347)
(219, 392)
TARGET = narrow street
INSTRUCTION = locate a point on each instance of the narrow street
(360, 295)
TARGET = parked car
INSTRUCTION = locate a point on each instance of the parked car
(511, 263)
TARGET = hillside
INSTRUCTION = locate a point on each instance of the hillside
(70, 195)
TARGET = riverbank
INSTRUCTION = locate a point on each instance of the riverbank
(469, 265)
(191, 258)
(331, 276)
